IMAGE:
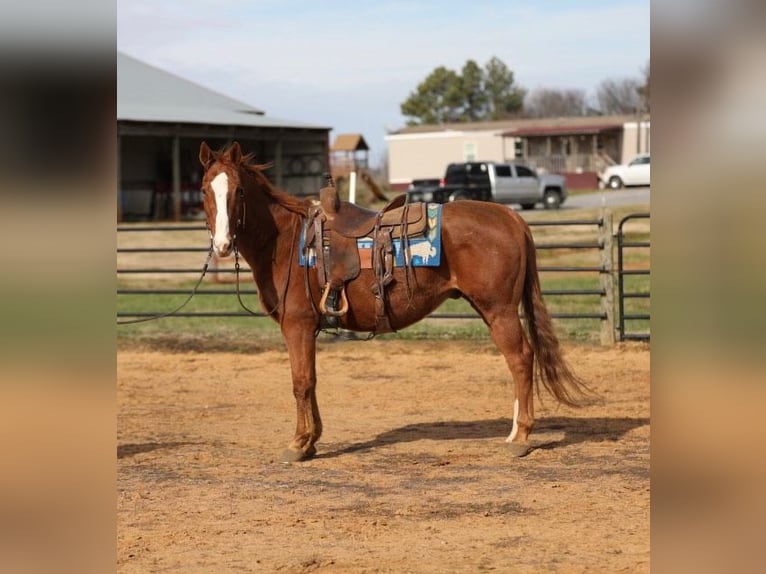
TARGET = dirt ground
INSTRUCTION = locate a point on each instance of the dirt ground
(412, 473)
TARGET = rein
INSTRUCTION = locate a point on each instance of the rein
(239, 295)
(182, 305)
(239, 227)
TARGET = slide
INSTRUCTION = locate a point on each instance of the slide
(370, 183)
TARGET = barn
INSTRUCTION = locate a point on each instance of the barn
(161, 120)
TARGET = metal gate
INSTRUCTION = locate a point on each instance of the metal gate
(632, 282)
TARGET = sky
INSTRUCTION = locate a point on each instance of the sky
(348, 65)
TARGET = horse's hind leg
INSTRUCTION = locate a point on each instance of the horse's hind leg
(508, 335)
(301, 346)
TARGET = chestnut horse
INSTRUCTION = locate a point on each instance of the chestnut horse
(488, 258)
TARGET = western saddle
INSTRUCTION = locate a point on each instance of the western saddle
(332, 231)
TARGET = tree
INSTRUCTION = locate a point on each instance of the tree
(472, 92)
(619, 96)
(505, 99)
(437, 99)
(643, 90)
(551, 103)
(475, 94)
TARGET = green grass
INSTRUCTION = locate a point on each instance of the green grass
(196, 333)
(253, 333)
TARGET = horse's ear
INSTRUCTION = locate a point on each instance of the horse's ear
(205, 155)
(235, 153)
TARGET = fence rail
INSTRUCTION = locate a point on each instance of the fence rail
(552, 255)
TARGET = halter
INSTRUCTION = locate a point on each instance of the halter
(240, 212)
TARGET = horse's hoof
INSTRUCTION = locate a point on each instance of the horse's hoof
(290, 455)
(518, 449)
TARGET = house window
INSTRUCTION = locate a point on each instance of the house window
(518, 148)
(470, 151)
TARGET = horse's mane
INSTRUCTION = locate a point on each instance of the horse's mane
(289, 202)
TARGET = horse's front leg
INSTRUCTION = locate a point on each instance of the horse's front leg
(301, 346)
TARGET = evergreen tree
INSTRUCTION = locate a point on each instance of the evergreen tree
(505, 99)
(436, 100)
(475, 94)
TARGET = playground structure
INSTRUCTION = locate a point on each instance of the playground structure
(349, 161)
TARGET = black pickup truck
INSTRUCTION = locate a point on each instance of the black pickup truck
(490, 181)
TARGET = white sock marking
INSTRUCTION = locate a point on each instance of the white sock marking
(515, 429)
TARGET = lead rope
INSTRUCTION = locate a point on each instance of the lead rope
(239, 295)
(239, 227)
(182, 305)
(282, 299)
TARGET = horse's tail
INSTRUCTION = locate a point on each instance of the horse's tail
(550, 367)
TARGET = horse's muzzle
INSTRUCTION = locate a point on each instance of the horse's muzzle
(223, 248)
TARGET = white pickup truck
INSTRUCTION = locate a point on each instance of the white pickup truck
(634, 173)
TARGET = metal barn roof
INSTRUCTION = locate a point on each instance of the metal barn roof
(149, 94)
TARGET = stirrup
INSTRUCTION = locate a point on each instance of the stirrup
(343, 302)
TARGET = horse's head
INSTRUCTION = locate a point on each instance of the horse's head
(221, 188)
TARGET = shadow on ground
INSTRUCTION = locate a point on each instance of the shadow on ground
(128, 450)
(576, 430)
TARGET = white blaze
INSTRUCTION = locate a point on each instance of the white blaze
(220, 185)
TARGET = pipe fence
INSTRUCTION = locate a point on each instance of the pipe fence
(581, 281)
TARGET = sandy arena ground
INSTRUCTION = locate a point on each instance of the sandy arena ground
(412, 473)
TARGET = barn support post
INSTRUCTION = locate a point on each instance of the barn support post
(119, 178)
(278, 162)
(606, 241)
(176, 178)
(352, 187)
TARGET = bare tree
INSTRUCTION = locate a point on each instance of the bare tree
(619, 96)
(643, 90)
(550, 103)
